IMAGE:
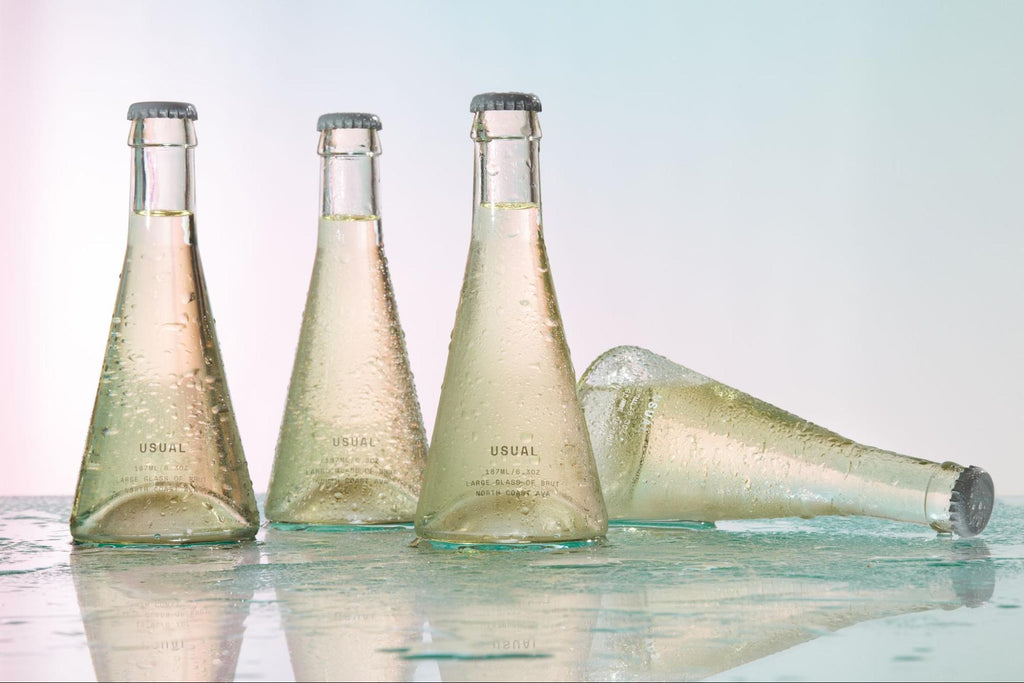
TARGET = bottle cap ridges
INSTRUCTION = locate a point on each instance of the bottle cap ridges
(348, 120)
(970, 504)
(505, 101)
(162, 110)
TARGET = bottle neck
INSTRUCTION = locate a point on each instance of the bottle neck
(349, 173)
(507, 169)
(162, 180)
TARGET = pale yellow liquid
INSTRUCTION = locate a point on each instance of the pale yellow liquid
(510, 460)
(163, 461)
(352, 444)
(672, 444)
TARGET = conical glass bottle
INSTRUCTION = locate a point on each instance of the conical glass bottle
(674, 445)
(510, 460)
(352, 444)
(163, 462)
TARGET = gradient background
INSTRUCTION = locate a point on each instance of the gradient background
(818, 203)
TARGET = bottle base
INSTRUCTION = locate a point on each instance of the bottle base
(356, 501)
(510, 546)
(509, 522)
(343, 528)
(662, 524)
(164, 516)
(161, 543)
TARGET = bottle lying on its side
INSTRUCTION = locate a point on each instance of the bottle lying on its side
(674, 445)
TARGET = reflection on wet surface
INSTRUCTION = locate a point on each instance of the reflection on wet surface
(650, 604)
(174, 614)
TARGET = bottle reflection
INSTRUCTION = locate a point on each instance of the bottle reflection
(653, 604)
(351, 613)
(701, 604)
(517, 632)
(167, 614)
(345, 613)
(735, 612)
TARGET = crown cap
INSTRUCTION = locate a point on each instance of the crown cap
(505, 101)
(162, 110)
(348, 120)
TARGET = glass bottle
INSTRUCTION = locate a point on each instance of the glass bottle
(352, 444)
(163, 462)
(510, 461)
(674, 445)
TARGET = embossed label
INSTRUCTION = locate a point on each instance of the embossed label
(161, 447)
(512, 450)
(354, 441)
(652, 405)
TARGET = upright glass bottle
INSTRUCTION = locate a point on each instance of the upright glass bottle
(674, 445)
(163, 462)
(352, 444)
(510, 462)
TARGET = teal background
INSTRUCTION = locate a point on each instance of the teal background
(817, 203)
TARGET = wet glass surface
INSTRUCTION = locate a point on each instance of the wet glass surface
(830, 598)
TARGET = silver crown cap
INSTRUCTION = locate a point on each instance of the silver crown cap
(162, 110)
(348, 120)
(505, 101)
(971, 502)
